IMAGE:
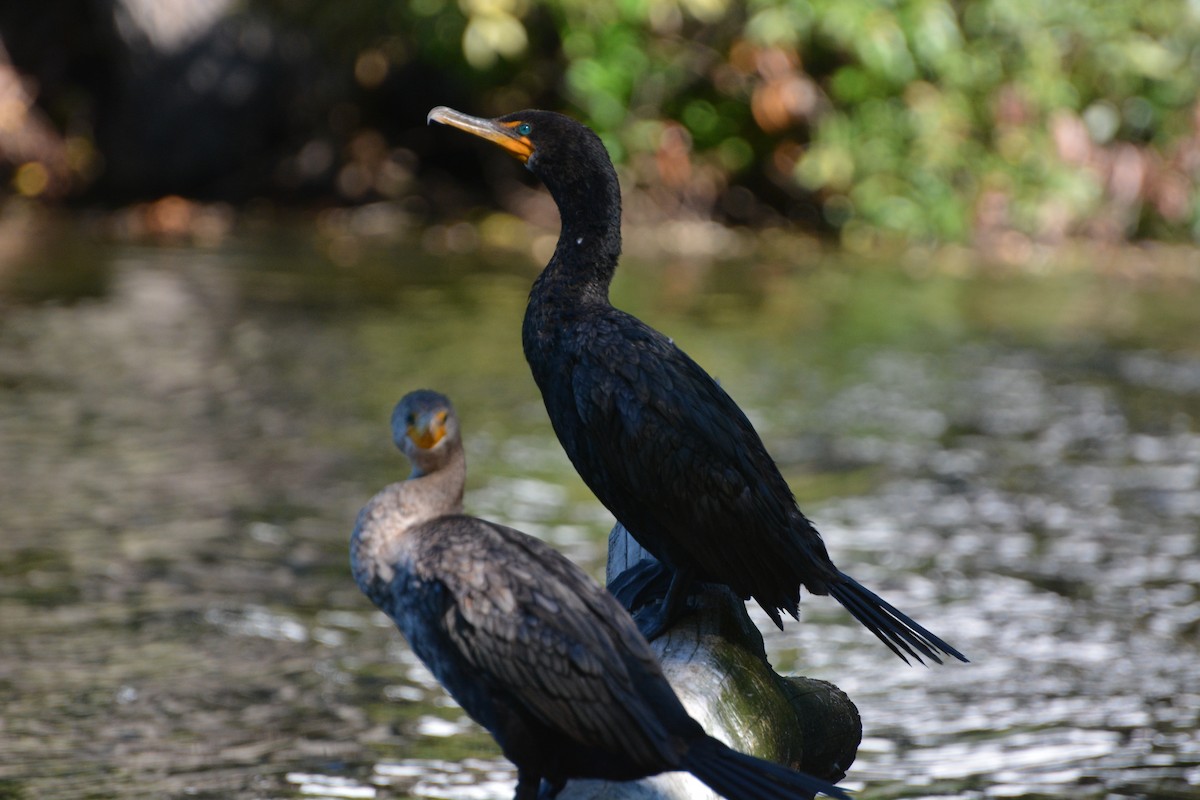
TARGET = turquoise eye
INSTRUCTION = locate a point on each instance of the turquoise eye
(524, 128)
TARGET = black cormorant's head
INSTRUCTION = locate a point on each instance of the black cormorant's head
(544, 141)
(565, 154)
(425, 428)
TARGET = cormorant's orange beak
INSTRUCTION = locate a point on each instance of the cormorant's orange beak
(501, 133)
(429, 432)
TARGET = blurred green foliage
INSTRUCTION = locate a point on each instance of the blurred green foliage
(1006, 122)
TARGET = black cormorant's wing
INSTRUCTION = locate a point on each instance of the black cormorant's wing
(541, 631)
(669, 450)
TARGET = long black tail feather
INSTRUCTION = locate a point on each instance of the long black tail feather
(893, 627)
(737, 776)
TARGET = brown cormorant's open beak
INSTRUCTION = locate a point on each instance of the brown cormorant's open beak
(426, 433)
(501, 133)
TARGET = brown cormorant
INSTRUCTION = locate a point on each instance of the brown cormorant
(530, 646)
(663, 447)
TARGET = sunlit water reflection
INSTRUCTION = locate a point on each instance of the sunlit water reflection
(1057, 545)
(183, 450)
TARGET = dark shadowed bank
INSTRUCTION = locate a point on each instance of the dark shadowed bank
(985, 122)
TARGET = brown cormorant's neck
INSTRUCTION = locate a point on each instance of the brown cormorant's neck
(436, 489)
(385, 523)
(443, 464)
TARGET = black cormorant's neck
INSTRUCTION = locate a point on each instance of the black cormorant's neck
(589, 244)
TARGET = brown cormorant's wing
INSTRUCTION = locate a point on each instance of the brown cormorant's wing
(536, 627)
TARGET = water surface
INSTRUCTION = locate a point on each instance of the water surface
(186, 434)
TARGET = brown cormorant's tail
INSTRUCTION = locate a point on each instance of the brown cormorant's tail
(893, 627)
(737, 776)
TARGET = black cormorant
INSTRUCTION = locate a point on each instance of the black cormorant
(530, 646)
(649, 431)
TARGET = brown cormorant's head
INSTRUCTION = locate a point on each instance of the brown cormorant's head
(425, 428)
